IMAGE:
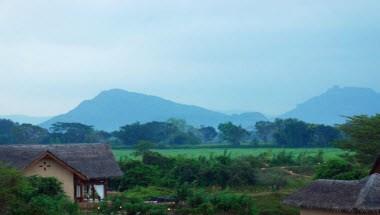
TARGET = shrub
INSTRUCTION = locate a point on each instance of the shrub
(340, 169)
(32, 196)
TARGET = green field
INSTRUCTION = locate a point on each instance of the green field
(235, 152)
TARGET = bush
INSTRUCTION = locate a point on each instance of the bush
(122, 204)
(275, 178)
(137, 173)
(340, 169)
(222, 202)
(20, 195)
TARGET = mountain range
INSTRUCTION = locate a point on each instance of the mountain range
(336, 104)
(114, 108)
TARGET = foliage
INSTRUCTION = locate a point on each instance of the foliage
(362, 137)
(74, 133)
(271, 204)
(296, 133)
(340, 169)
(32, 196)
(13, 133)
(175, 132)
(204, 203)
(275, 178)
(143, 147)
(123, 204)
(194, 152)
(208, 133)
(214, 171)
(45, 186)
(12, 187)
(137, 173)
(156, 132)
(232, 133)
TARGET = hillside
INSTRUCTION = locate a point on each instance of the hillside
(332, 106)
(114, 108)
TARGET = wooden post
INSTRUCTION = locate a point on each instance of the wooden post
(105, 187)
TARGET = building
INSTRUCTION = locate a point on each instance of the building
(340, 197)
(83, 169)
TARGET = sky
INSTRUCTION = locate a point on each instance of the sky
(238, 55)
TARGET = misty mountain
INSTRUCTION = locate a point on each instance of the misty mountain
(334, 105)
(114, 108)
(35, 120)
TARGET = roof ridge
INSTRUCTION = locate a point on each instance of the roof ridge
(364, 191)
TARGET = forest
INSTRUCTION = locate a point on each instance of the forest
(176, 132)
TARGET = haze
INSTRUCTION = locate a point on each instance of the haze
(236, 55)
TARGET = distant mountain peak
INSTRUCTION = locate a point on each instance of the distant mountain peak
(331, 106)
(113, 108)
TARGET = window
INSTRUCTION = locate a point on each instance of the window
(78, 193)
(99, 188)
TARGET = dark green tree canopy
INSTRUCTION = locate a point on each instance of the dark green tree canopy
(232, 133)
(73, 133)
(362, 136)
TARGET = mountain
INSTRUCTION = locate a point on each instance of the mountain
(334, 105)
(35, 120)
(114, 108)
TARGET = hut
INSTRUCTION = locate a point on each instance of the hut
(83, 169)
(340, 197)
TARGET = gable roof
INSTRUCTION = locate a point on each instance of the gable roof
(339, 195)
(91, 160)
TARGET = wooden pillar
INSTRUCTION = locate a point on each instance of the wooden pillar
(105, 187)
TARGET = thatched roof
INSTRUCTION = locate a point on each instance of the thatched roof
(376, 166)
(359, 196)
(91, 160)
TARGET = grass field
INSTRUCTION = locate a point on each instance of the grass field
(235, 152)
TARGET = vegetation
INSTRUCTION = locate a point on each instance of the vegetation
(194, 152)
(216, 184)
(362, 137)
(202, 180)
(296, 133)
(20, 195)
(340, 169)
(174, 133)
(232, 133)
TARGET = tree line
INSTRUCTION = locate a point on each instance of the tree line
(175, 132)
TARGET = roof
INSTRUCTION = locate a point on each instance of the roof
(376, 166)
(339, 195)
(91, 160)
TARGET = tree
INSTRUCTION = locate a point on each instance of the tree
(265, 131)
(73, 133)
(292, 132)
(362, 137)
(232, 133)
(155, 132)
(30, 134)
(323, 135)
(12, 186)
(143, 147)
(208, 133)
(6, 128)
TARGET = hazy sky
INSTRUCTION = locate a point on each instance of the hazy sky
(265, 56)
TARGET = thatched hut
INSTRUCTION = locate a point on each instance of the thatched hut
(83, 169)
(339, 197)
